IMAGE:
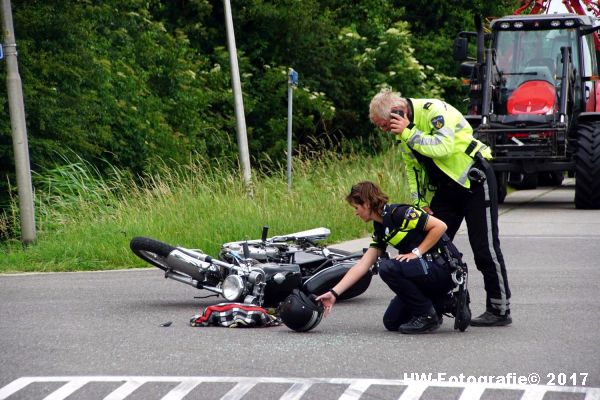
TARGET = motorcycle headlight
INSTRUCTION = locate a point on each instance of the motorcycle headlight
(233, 287)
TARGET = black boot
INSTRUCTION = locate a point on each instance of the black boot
(422, 323)
(490, 319)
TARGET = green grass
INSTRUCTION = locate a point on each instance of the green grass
(85, 222)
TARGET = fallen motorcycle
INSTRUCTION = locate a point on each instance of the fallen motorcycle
(262, 272)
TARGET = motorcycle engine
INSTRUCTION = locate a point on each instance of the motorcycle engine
(255, 251)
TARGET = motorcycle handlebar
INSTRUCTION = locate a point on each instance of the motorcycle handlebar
(265, 231)
(311, 235)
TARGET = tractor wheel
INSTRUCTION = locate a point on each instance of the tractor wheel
(587, 166)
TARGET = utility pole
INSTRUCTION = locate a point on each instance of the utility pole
(292, 81)
(240, 119)
(18, 127)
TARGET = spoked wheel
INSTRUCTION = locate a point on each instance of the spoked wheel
(151, 251)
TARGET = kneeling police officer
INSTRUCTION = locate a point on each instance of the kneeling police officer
(418, 275)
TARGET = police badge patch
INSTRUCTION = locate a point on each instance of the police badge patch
(411, 214)
(438, 122)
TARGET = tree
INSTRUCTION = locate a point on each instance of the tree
(140, 81)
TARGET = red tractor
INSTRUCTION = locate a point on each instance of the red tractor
(535, 98)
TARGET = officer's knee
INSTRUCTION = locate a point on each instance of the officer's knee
(395, 315)
(386, 268)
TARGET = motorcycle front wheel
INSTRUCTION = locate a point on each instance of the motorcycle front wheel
(152, 251)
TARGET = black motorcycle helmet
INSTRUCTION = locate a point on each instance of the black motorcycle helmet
(300, 312)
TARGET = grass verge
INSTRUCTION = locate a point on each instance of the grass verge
(85, 222)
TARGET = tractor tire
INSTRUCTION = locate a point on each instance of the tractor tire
(587, 166)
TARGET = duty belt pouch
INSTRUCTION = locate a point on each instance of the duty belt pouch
(439, 260)
(414, 268)
(476, 175)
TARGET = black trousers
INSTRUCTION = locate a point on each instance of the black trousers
(416, 290)
(479, 207)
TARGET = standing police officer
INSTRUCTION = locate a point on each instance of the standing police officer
(448, 174)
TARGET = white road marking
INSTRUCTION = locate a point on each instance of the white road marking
(122, 391)
(299, 386)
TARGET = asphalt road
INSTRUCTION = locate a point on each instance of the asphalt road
(101, 332)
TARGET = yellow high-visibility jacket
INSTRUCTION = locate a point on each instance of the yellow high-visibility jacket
(440, 132)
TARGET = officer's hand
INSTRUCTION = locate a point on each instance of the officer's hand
(405, 257)
(398, 123)
(427, 210)
(328, 300)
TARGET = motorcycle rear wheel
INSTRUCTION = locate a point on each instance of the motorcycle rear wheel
(327, 278)
(152, 251)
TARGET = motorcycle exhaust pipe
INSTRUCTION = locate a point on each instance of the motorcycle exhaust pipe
(190, 281)
(186, 264)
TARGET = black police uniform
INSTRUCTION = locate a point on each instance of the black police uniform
(479, 207)
(420, 284)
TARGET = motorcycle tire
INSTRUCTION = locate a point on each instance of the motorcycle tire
(358, 288)
(152, 251)
(327, 278)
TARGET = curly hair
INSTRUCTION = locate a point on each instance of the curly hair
(367, 193)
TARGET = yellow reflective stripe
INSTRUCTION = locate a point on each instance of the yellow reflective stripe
(408, 226)
(397, 238)
(411, 223)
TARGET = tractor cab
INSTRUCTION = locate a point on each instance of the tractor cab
(535, 99)
(528, 64)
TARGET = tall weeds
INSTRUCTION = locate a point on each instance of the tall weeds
(85, 221)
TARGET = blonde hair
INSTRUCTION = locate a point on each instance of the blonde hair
(383, 102)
